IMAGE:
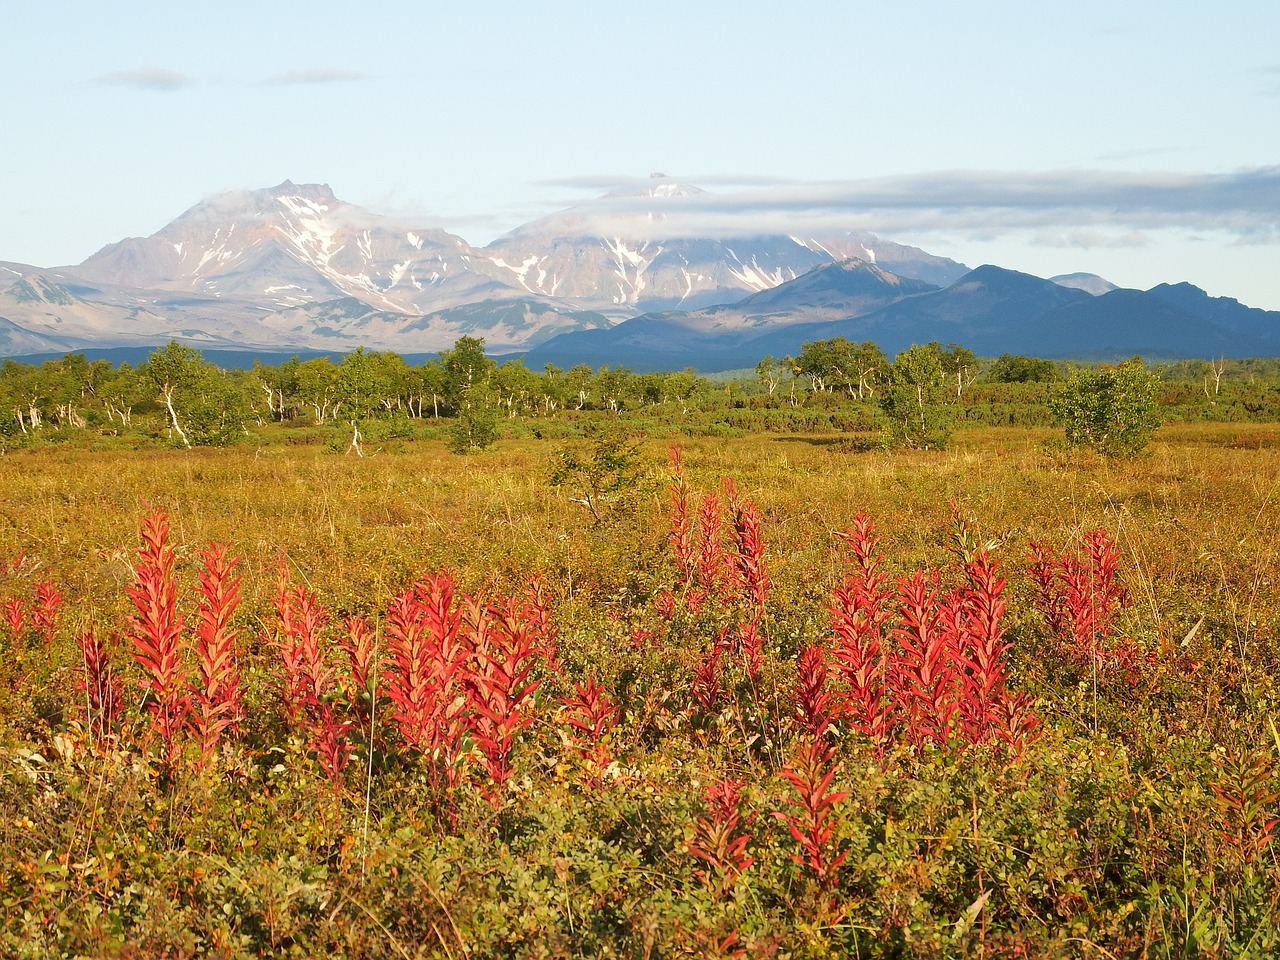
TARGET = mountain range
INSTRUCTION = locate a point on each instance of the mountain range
(293, 267)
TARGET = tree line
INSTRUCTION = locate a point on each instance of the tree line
(915, 398)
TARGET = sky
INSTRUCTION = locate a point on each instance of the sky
(1138, 141)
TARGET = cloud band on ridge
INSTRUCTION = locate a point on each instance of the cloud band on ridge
(1077, 207)
(146, 78)
(297, 78)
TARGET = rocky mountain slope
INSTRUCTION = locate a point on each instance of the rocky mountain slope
(625, 279)
(294, 266)
(990, 310)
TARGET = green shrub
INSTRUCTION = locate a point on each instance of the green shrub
(1111, 410)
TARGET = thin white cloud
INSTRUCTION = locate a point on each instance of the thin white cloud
(1137, 153)
(1092, 240)
(146, 78)
(297, 78)
(1078, 207)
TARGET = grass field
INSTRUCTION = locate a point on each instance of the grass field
(1133, 817)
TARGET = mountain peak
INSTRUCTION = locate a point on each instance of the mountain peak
(309, 191)
(659, 185)
(1088, 282)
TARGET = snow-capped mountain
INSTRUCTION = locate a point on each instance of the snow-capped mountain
(293, 266)
(625, 253)
(296, 244)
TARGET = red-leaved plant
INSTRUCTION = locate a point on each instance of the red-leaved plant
(925, 674)
(15, 617)
(680, 534)
(216, 690)
(44, 612)
(156, 633)
(936, 672)
(748, 561)
(308, 682)
(509, 639)
(720, 838)
(1080, 595)
(590, 715)
(859, 611)
(300, 624)
(810, 774)
(102, 688)
(359, 643)
(816, 707)
(706, 689)
(428, 656)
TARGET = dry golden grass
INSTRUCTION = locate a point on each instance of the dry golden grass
(1197, 519)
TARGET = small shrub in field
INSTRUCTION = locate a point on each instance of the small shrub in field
(1111, 410)
(604, 482)
(476, 425)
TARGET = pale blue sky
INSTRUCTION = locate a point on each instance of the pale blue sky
(1139, 141)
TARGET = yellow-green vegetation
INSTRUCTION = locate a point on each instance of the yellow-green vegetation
(1135, 818)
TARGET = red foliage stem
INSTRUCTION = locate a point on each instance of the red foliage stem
(810, 774)
(859, 611)
(15, 616)
(102, 687)
(156, 633)
(44, 612)
(706, 689)
(751, 649)
(428, 653)
(359, 643)
(300, 628)
(748, 557)
(720, 837)
(509, 640)
(329, 742)
(1080, 596)
(216, 692)
(925, 675)
(680, 533)
(815, 705)
(712, 568)
(308, 680)
(591, 715)
(984, 700)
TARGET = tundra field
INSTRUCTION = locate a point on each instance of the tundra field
(760, 696)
